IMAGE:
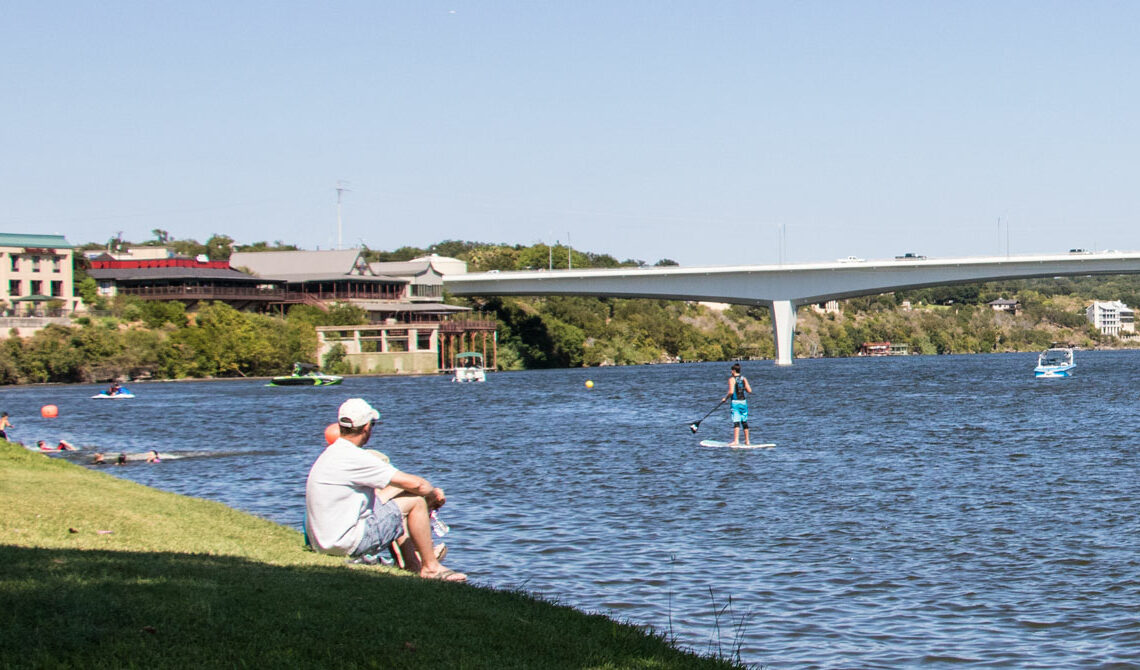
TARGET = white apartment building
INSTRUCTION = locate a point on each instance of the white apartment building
(1112, 317)
(35, 270)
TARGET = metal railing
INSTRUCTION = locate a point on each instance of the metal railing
(461, 325)
(204, 292)
(32, 321)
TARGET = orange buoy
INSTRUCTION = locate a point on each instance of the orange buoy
(49, 411)
(332, 433)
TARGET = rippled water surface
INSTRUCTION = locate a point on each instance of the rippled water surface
(921, 510)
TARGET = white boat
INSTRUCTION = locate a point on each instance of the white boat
(469, 367)
(1055, 362)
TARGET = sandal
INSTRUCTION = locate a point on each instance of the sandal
(449, 576)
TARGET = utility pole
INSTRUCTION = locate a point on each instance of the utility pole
(340, 189)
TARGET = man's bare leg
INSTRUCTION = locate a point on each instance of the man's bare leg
(735, 435)
(747, 439)
(418, 526)
(403, 553)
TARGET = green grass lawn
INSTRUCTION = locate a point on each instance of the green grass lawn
(102, 572)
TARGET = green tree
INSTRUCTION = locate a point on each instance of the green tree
(277, 245)
(486, 258)
(337, 314)
(219, 247)
(155, 313)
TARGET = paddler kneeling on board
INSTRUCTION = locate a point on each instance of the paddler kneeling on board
(344, 516)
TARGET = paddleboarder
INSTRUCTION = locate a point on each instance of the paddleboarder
(738, 390)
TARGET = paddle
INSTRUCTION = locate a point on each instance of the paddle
(696, 424)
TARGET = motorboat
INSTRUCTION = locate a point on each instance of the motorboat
(306, 374)
(469, 367)
(1055, 362)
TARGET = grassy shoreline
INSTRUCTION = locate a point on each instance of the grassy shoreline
(103, 572)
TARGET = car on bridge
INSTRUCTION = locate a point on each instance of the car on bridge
(910, 257)
(851, 259)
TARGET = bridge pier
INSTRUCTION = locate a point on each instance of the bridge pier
(784, 329)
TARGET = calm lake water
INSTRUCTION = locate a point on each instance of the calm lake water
(916, 511)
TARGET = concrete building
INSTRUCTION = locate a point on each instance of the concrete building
(828, 307)
(1112, 318)
(410, 348)
(424, 275)
(35, 271)
(132, 254)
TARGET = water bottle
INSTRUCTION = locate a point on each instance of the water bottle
(437, 525)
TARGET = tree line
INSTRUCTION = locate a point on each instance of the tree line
(133, 337)
(161, 340)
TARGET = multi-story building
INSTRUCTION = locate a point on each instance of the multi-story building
(161, 275)
(1112, 317)
(35, 271)
(412, 329)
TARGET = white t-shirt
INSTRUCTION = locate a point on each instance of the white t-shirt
(339, 495)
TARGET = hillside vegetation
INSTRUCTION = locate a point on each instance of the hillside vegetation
(573, 331)
(163, 340)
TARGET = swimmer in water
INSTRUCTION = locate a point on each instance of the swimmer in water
(152, 457)
(121, 460)
(99, 459)
(63, 445)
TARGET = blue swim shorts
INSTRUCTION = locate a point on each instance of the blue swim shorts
(381, 528)
(739, 411)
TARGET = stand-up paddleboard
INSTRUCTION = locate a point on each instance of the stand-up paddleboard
(718, 443)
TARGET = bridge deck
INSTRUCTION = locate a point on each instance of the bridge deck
(783, 288)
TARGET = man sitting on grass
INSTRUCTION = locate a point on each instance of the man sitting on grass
(345, 517)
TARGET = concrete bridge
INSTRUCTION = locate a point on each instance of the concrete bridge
(783, 288)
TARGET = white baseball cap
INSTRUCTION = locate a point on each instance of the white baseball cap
(356, 412)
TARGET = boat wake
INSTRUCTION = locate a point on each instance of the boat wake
(87, 454)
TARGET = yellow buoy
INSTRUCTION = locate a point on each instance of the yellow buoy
(589, 384)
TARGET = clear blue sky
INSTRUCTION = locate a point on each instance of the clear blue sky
(690, 131)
